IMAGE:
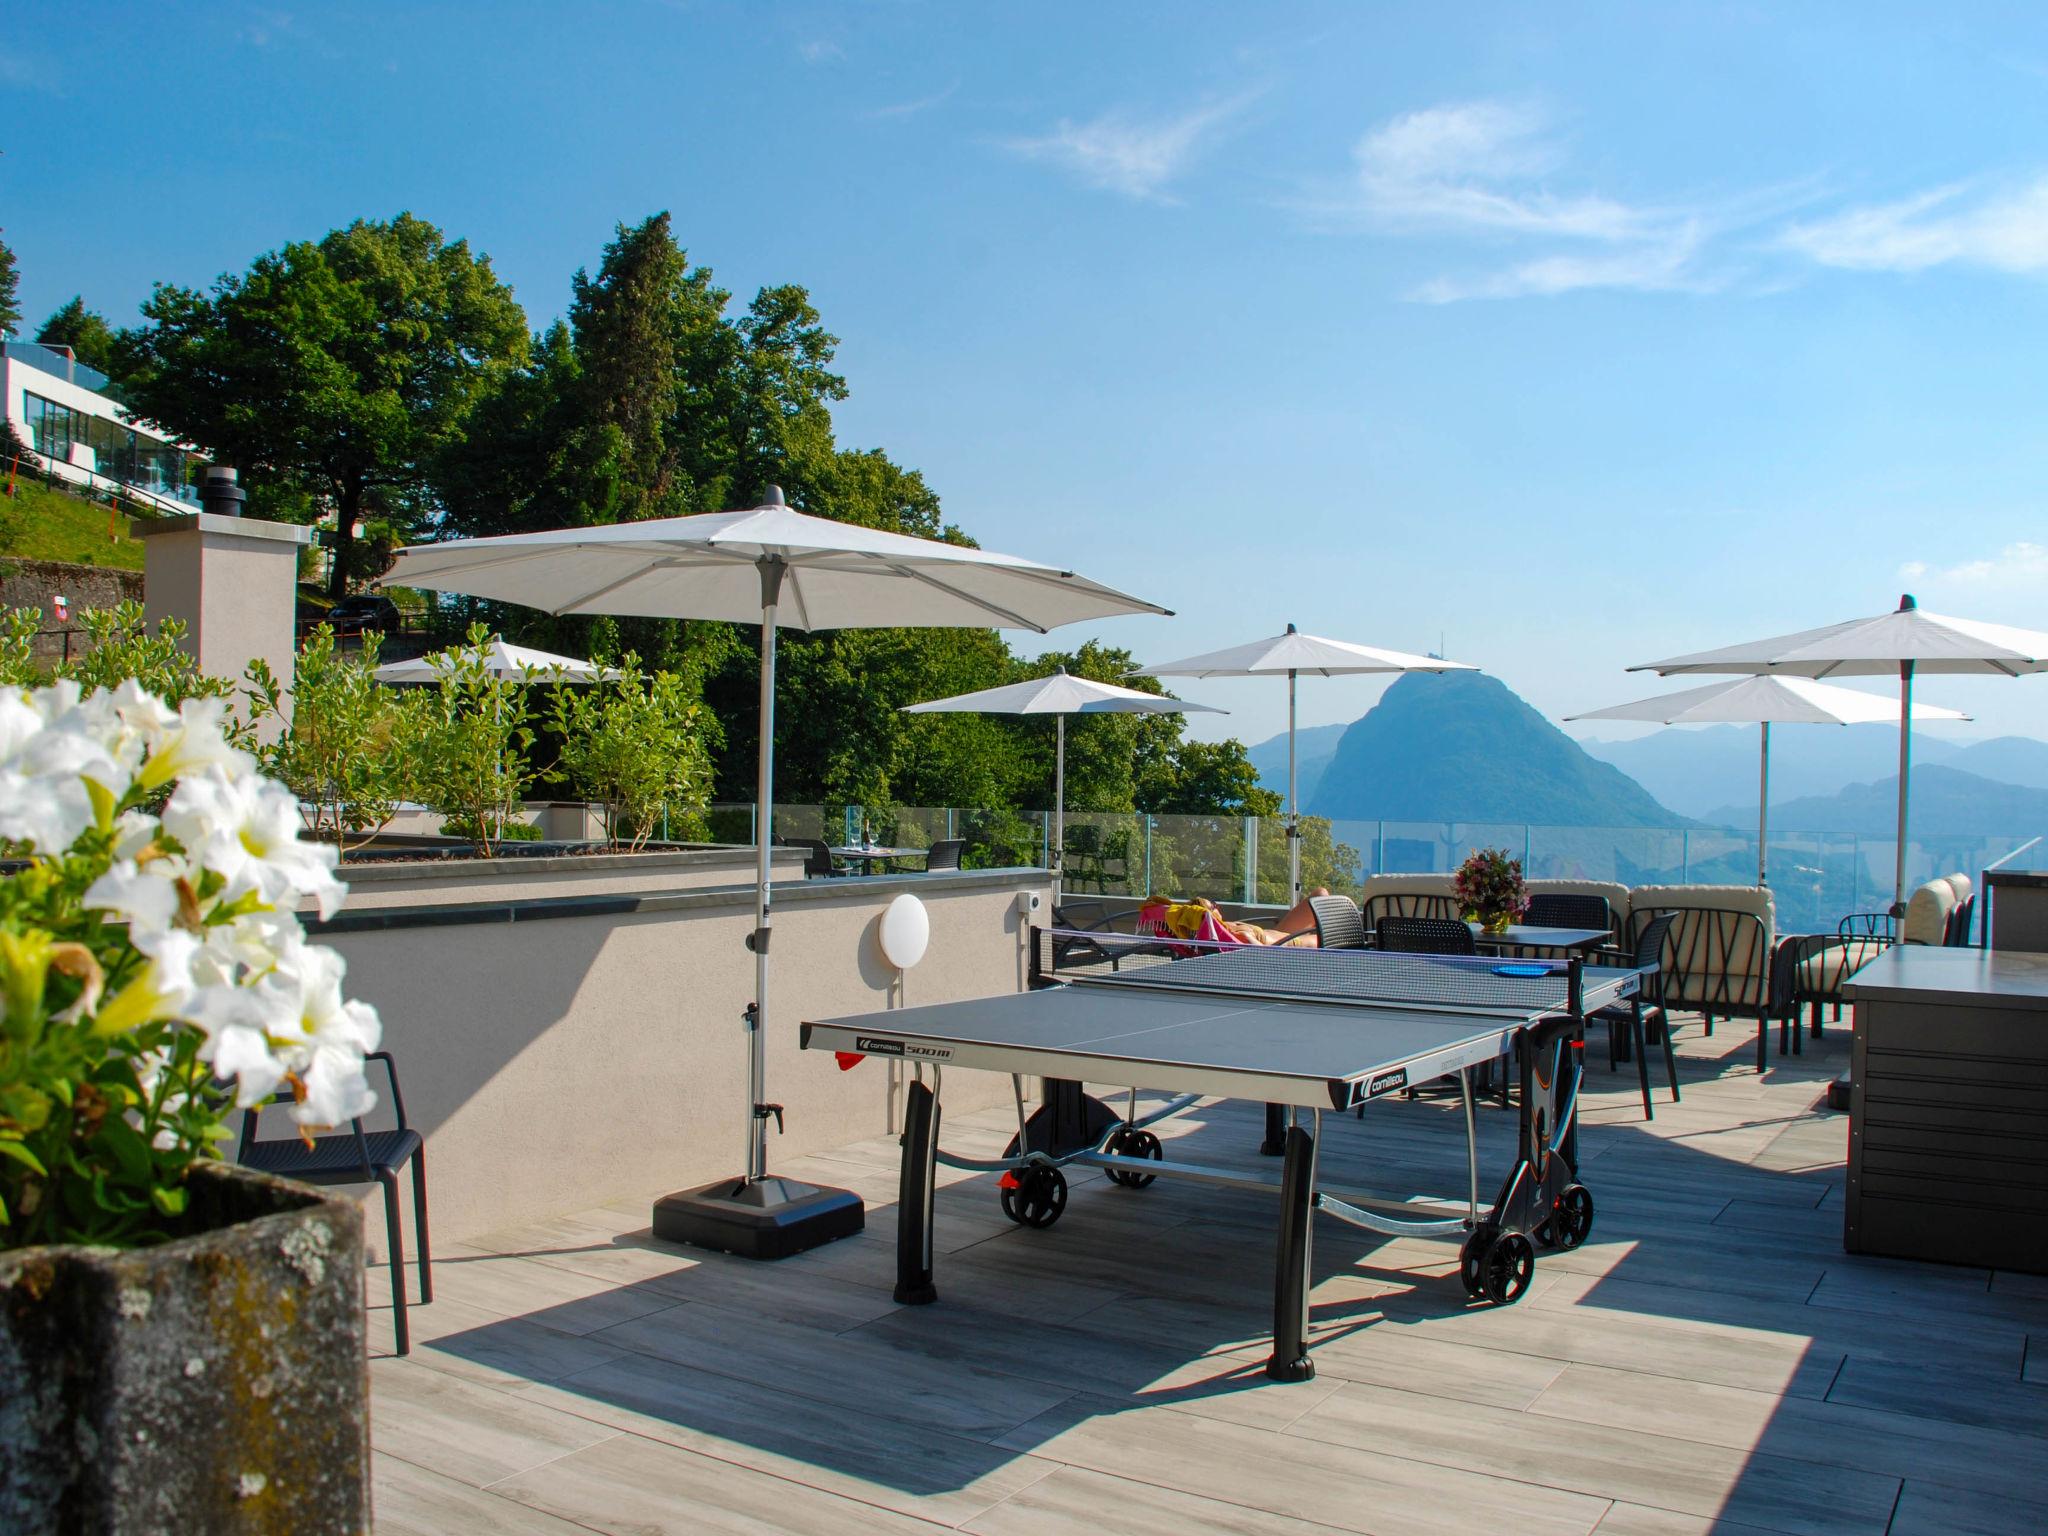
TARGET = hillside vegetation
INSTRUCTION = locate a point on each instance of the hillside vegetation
(38, 523)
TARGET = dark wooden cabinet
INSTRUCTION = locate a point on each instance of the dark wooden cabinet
(1948, 1138)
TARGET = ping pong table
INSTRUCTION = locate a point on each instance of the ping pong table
(1304, 1030)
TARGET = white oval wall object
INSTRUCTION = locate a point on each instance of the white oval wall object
(906, 932)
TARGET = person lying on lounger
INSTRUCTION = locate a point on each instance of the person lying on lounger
(1295, 926)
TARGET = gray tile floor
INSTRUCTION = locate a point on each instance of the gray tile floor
(1710, 1361)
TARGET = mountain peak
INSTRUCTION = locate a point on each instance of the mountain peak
(1463, 746)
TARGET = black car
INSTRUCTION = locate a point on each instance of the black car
(364, 614)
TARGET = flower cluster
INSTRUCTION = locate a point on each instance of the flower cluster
(1489, 887)
(158, 909)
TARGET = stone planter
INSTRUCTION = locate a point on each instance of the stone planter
(217, 1383)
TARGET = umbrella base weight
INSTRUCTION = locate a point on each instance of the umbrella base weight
(768, 1219)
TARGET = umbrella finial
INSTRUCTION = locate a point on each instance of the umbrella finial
(1291, 629)
(772, 497)
(1906, 603)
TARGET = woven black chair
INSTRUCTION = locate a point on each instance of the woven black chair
(944, 854)
(1338, 923)
(357, 1156)
(1425, 936)
(1646, 1005)
(818, 863)
(1568, 909)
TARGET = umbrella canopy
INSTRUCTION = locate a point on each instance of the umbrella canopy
(1060, 695)
(778, 568)
(1906, 640)
(1289, 655)
(501, 660)
(1764, 701)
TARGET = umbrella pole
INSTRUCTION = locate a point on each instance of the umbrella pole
(1763, 804)
(1059, 800)
(764, 821)
(1905, 781)
(1293, 806)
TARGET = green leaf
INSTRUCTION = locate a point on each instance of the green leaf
(170, 1201)
(22, 1155)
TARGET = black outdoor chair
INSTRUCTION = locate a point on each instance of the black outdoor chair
(818, 863)
(1072, 942)
(1646, 1006)
(357, 1156)
(1567, 909)
(1338, 923)
(1425, 936)
(944, 854)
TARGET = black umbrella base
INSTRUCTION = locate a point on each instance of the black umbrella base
(768, 1219)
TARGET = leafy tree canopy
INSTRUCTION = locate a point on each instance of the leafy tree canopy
(339, 369)
(10, 290)
(84, 331)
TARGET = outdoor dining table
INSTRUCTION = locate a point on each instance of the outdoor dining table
(1533, 936)
(869, 855)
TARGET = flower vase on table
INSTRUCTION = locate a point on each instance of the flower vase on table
(1490, 890)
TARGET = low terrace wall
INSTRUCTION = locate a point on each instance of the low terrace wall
(561, 1053)
(398, 884)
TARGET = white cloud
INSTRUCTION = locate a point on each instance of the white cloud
(1120, 153)
(2019, 564)
(912, 108)
(1482, 169)
(2005, 230)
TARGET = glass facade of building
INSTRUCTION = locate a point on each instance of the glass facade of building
(120, 452)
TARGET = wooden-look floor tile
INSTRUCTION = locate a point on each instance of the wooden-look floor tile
(411, 1501)
(471, 1433)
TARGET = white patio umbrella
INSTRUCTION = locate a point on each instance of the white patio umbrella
(775, 567)
(1060, 695)
(1764, 701)
(1907, 641)
(1293, 654)
(501, 660)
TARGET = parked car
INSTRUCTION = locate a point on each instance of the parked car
(365, 613)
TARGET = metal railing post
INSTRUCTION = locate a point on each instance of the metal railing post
(1148, 855)
(1684, 855)
(1251, 860)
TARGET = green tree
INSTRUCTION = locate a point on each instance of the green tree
(636, 746)
(10, 290)
(343, 369)
(84, 331)
(466, 740)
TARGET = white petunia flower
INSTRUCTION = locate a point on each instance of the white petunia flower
(147, 898)
(163, 989)
(247, 830)
(191, 741)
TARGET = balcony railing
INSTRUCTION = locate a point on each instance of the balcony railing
(1816, 877)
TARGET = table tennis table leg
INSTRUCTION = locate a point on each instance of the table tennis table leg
(1290, 1360)
(1275, 1144)
(914, 1195)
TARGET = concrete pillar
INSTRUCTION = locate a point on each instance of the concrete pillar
(232, 580)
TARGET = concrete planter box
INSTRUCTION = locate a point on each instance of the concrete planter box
(215, 1383)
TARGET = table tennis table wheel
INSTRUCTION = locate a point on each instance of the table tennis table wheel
(1472, 1258)
(1036, 1198)
(1571, 1222)
(1506, 1268)
(1133, 1142)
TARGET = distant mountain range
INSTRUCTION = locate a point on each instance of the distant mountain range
(1315, 745)
(1703, 772)
(1947, 802)
(1461, 746)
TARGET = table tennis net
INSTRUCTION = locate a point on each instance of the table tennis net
(1450, 982)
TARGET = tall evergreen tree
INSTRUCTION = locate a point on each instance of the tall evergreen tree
(84, 331)
(10, 291)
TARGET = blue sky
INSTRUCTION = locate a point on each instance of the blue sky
(1566, 336)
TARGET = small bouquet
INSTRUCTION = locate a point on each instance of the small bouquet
(1490, 890)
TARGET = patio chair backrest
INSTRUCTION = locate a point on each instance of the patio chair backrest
(1425, 936)
(945, 854)
(1717, 952)
(1406, 896)
(1927, 913)
(1965, 913)
(1568, 909)
(1338, 923)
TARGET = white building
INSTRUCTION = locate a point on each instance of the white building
(63, 410)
